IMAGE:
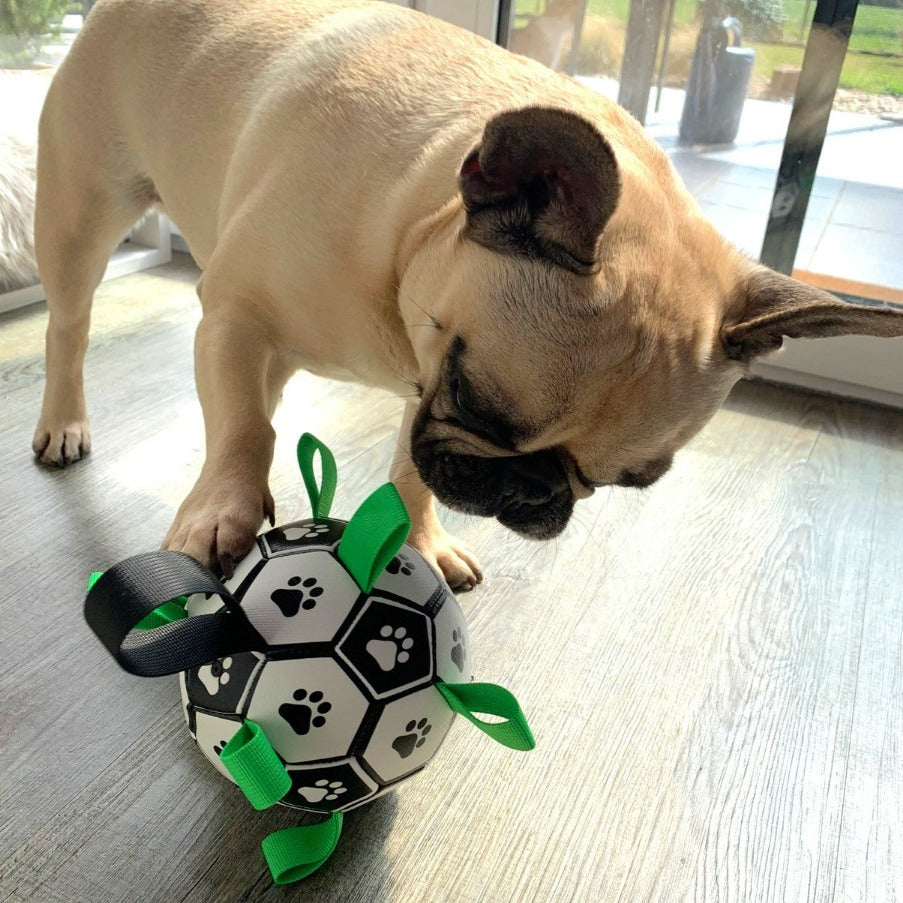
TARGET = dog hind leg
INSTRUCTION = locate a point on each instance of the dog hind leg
(83, 208)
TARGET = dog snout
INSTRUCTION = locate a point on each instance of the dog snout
(533, 479)
(529, 494)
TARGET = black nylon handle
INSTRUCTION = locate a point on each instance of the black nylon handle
(129, 591)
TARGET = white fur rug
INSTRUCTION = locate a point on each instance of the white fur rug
(23, 94)
(17, 183)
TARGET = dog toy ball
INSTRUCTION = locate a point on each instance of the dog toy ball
(324, 672)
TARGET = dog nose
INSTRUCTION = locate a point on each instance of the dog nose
(535, 497)
(533, 479)
(526, 492)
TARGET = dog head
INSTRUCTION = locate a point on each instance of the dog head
(588, 321)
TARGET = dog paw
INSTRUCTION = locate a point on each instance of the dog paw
(449, 555)
(217, 526)
(61, 443)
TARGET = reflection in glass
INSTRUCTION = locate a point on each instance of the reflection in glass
(545, 30)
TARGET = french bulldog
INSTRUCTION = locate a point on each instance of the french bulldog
(375, 195)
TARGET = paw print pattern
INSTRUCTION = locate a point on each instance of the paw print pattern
(215, 675)
(401, 565)
(219, 747)
(309, 711)
(306, 531)
(413, 738)
(392, 648)
(323, 790)
(459, 650)
(292, 599)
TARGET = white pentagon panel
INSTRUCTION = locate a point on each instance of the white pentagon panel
(408, 734)
(203, 604)
(300, 598)
(453, 663)
(183, 693)
(329, 786)
(309, 708)
(389, 646)
(209, 603)
(213, 732)
(409, 576)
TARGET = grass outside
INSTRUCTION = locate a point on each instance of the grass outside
(874, 61)
(861, 72)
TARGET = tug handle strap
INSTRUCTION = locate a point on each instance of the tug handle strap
(376, 531)
(137, 608)
(133, 608)
(473, 699)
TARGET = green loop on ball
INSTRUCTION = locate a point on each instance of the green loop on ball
(295, 853)
(321, 494)
(373, 536)
(491, 699)
(255, 766)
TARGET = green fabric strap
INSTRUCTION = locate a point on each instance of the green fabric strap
(255, 766)
(321, 495)
(295, 853)
(170, 611)
(374, 534)
(166, 613)
(491, 699)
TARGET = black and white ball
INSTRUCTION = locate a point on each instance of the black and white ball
(345, 687)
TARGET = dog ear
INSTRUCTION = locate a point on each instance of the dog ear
(777, 306)
(542, 183)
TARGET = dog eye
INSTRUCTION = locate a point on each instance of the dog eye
(459, 396)
(483, 423)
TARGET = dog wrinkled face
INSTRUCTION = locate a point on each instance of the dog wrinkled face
(465, 444)
(534, 395)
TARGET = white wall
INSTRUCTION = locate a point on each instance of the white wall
(480, 16)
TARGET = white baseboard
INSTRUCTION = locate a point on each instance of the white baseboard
(851, 366)
(21, 297)
(827, 386)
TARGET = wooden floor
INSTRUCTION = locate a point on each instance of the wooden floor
(713, 668)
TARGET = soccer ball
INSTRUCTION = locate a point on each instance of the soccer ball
(321, 674)
(343, 685)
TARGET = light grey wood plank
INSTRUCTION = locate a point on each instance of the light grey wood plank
(870, 843)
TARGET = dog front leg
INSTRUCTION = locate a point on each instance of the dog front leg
(442, 550)
(239, 379)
